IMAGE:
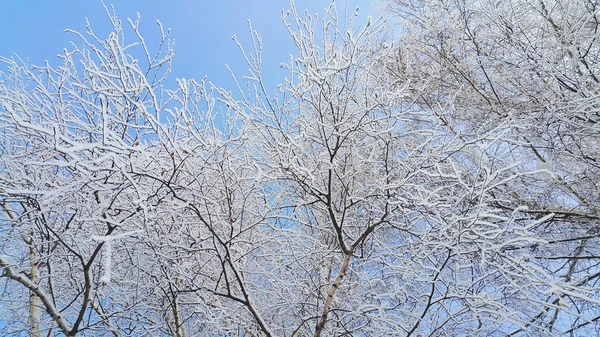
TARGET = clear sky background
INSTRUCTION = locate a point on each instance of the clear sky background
(202, 30)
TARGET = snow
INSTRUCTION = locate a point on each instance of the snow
(107, 253)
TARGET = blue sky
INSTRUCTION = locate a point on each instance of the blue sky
(202, 30)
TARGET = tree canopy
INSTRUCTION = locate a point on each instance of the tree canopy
(432, 172)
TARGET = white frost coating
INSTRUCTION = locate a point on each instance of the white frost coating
(394, 174)
(113, 237)
(107, 256)
(547, 165)
(56, 315)
(106, 261)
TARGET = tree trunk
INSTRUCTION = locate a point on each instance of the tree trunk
(332, 291)
(34, 300)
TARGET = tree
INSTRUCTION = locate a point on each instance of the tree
(532, 65)
(385, 188)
